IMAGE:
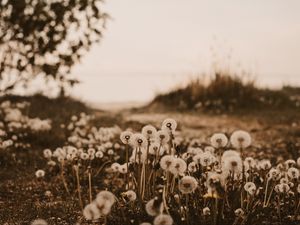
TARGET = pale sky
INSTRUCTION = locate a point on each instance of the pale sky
(151, 46)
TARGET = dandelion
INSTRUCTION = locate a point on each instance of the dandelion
(192, 167)
(178, 166)
(298, 188)
(149, 131)
(39, 222)
(162, 136)
(91, 151)
(40, 173)
(282, 188)
(154, 148)
(84, 156)
(219, 140)
(229, 153)
(47, 153)
(138, 141)
(154, 207)
(107, 197)
(163, 219)
(274, 174)
(130, 195)
(233, 164)
(125, 137)
(293, 173)
(115, 167)
(239, 212)
(169, 124)
(298, 161)
(99, 154)
(290, 163)
(206, 211)
(123, 168)
(166, 162)
(264, 164)
(250, 187)
(187, 184)
(240, 139)
(91, 212)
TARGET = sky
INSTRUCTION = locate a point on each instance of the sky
(152, 46)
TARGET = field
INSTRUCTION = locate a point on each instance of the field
(56, 185)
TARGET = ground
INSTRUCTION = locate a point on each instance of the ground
(22, 197)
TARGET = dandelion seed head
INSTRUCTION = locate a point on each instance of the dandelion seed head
(166, 162)
(126, 136)
(153, 207)
(187, 184)
(240, 139)
(206, 211)
(219, 140)
(39, 222)
(40, 173)
(239, 212)
(293, 173)
(163, 219)
(162, 137)
(91, 212)
(130, 195)
(169, 124)
(178, 166)
(149, 131)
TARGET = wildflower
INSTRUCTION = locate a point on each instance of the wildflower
(115, 167)
(155, 147)
(240, 139)
(84, 156)
(125, 137)
(39, 222)
(162, 136)
(163, 219)
(47, 153)
(239, 212)
(40, 173)
(233, 164)
(229, 153)
(91, 212)
(194, 151)
(298, 161)
(153, 207)
(209, 149)
(206, 211)
(249, 163)
(99, 154)
(130, 195)
(166, 162)
(169, 124)
(264, 164)
(274, 174)
(290, 163)
(298, 188)
(250, 187)
(192, 167)
(205, 159)
(293, 173)
(178, 166)
(282, 188)
(91, 151)
(107, 197)
(219, 140)
(149, 131)
(138, 141)
(123, 168)
(187, 184)
(51, 163)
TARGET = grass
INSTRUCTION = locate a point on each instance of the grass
(227, 93)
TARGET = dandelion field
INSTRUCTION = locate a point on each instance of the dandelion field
(81, 166)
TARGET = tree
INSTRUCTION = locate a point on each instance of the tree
(46, 38)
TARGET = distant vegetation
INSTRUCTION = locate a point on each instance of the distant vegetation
(227, 93)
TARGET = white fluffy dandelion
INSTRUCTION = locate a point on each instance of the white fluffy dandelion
(163, 219)
(138, 141)
(166, 162)
(149, 131)
(187, 184)
(169, 124)
(240, 139)
(40, 173)
(162, 137)
(178, 167)
(130, 195)
(154, 207)
(125, 137)
(218, 140)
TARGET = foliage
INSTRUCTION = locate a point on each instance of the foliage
(46, 38)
